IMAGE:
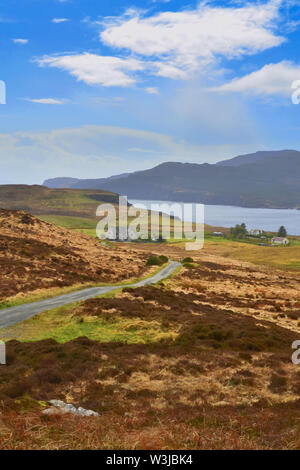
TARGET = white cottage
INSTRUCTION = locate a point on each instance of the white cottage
(280, 241)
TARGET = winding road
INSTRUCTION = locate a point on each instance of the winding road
(13, 315)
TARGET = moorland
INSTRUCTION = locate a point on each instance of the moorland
(201, 360)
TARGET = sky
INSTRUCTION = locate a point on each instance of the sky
(101, 87)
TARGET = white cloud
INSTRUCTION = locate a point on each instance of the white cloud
(152, 90)
(45, 101)
(272, 79)
(174, 44)
(184, 41)
(60, 20)
(171, 71)
(20, 41)
(95, 69)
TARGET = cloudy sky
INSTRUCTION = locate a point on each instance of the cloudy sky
(100, 87)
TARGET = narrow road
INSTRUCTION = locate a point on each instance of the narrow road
(13, 315)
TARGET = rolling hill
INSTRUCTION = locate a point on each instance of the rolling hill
(36, 256)
(40, 200)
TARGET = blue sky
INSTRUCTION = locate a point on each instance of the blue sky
(96, 88)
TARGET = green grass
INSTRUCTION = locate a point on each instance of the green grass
(42, 200)
(88, 225)
(78, 224)
(73, 223)
(61, 325)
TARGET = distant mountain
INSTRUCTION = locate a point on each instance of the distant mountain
(258, 157)
(262, 179)
(76, 183)
(62, 183)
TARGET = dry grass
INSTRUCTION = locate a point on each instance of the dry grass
(279, 257)
(227, 428)
(225, 380)
(37, 256)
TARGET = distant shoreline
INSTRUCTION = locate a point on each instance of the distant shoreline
(265, 218)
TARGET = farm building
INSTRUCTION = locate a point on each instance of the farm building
(255, 232)
(280, 241)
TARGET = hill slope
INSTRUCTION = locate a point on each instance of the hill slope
(265, 179)
(202, 361)
(38, 255)
(41, 200)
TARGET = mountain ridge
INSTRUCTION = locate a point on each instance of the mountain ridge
(263, 179)
(256, 157)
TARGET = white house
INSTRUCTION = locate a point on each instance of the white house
(255, 231)
(280, 241)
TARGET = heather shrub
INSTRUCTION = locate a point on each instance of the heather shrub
(157, 260)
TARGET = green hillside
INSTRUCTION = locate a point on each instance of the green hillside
(40, 200)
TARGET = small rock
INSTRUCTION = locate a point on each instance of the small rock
(70, 408)
(84, 412)
(58, 403)
(53, 411)
(59, 407)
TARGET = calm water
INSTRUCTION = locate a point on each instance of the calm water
(228, 216)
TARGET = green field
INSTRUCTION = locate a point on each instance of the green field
(85, 225)
(279, 257)
(244, 249)
(62, 325)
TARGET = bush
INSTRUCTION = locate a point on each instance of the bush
(188, 259)
(163, 259)
(188, 265)
(153, 261)
(156, 260)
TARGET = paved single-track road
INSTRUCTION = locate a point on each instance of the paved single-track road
(13, 315)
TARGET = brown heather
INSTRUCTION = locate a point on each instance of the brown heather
(223, 380)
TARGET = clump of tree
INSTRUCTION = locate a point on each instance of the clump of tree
(239, 231)
(157, 260)
(282, 232)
